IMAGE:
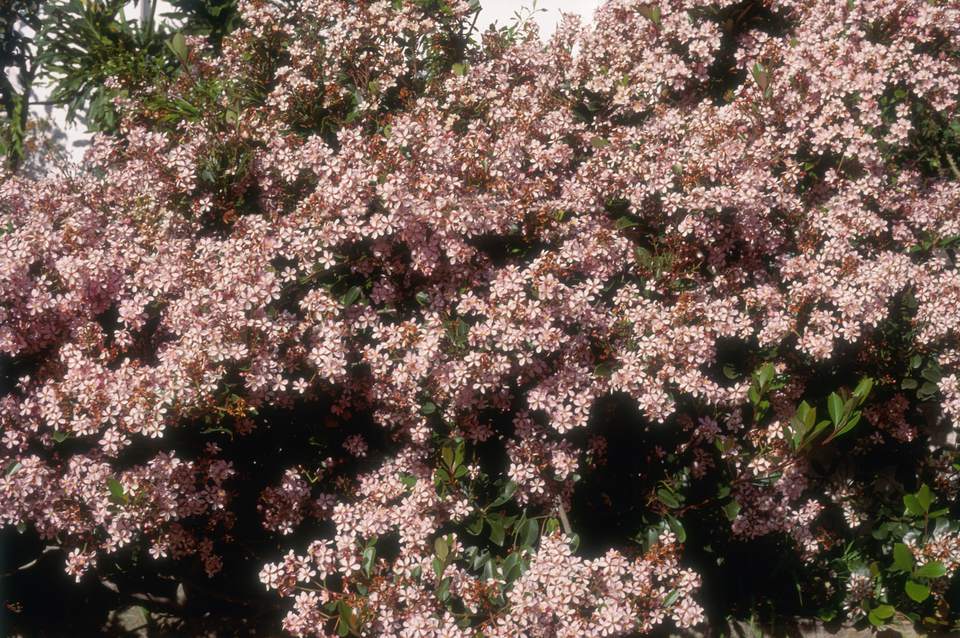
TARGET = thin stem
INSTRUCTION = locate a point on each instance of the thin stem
(563, 518)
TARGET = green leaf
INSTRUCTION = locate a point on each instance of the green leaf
(884, 611)
(902, 558)
(441, 547)
(178, 45)
(927, 390)
(12, 468)
(508, 564)
(932, 372)
(667, 498)
(603, 370)
(487, 573)
(761, 76)
(351, 296)
(875, 620)
(599, 142)
(496, 531)
(677, 528)
(345, 620)
(765, 375)
(422, 298)
(623, 223)
(428, 408)
(443, 591)
(913, 505)
(731, 509)
(863, 389)
(835, 407)
(817, 430)
(917, 592)
(529, 533)
(909, 384)
(60, 437)
(369, 559)
(730, 372)
(651, 12)
(849, 425)
(924, 497)
(459, 68)
(116, 491)
(505, 494)
(475, 526)
(933, 569)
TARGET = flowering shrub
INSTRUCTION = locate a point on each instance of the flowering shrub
(529, 338)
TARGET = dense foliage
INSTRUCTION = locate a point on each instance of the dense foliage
(439, 334)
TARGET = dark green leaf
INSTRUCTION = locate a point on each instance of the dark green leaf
(351, 296)
(850, 424)
(508, 490)
(932, 372)
(496, 531)
(927, 390)
(667, 498)
(345, 620)
(475, 526)
(529, 533)
(677, 528)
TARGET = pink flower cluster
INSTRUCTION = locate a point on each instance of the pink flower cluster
(521, 231)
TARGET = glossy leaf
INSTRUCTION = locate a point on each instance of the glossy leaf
(902, 558)
(917, 592)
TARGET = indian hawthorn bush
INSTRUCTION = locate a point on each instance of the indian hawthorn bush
(533, 335)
